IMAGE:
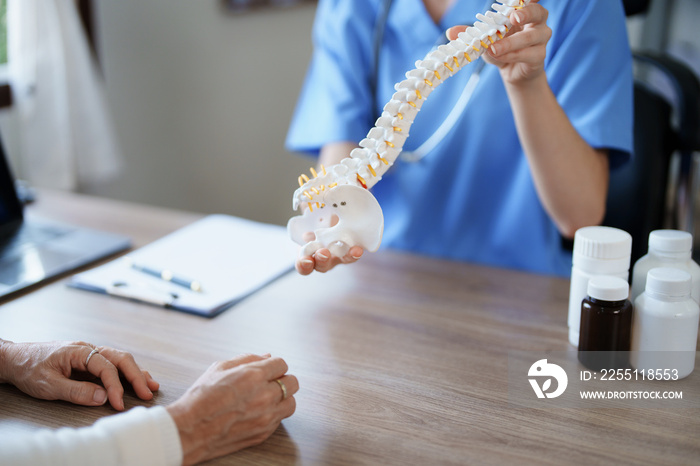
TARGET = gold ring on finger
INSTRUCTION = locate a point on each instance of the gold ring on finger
(283, 387)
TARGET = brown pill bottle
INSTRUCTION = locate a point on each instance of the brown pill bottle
(606, 324)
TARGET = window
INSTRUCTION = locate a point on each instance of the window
(5, 91)
(3, 32)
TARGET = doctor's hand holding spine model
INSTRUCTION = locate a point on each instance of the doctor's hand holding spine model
(522, 165)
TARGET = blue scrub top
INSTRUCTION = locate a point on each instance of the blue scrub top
(473, 197)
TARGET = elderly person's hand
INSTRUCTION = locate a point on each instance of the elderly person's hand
(233, 405)
(46, 371)
(520, 55)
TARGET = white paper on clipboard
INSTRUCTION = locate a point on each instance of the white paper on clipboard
(231, 258)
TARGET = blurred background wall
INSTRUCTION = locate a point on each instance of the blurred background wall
(201, 99)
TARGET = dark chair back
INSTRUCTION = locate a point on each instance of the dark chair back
(638, 190)
(633, 7)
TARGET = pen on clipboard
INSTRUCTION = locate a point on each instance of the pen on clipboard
(168, 276)
(123, 290)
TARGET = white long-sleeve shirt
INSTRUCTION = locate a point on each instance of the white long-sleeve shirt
(138, 436)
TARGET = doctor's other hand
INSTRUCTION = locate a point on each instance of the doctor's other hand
(323, 261)
(235, 404)
(520, 55)
(47, 371)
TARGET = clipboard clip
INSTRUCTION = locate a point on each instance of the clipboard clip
(142, 294)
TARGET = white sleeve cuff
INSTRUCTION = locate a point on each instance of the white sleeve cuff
(138, 436)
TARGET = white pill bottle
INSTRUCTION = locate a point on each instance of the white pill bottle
(667, 248)
(665, 324)
(597, 251)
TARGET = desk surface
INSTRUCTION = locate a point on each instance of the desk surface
(401, 359)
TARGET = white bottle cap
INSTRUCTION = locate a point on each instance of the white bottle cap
(672, 241)
(608, 288)
(668, 282)
(602, 250)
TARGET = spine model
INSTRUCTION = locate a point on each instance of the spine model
(384, 142)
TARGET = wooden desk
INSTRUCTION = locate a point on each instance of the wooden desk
(401, 359)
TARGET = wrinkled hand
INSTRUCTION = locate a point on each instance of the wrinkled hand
(520, 55)
(44, 370)
(233, 405)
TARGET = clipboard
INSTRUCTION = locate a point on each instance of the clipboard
(229, 257)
